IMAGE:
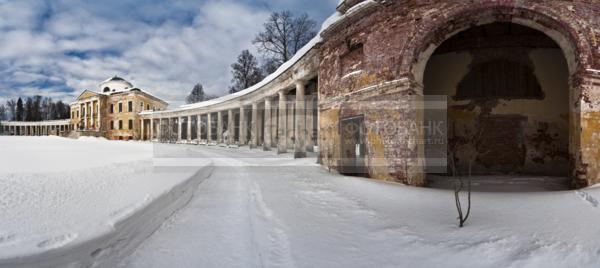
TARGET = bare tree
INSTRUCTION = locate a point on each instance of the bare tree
(284, 35)
(245, 72)
(12, 109)
(459, 186)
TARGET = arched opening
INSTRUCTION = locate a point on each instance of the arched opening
(106, 89)
(507, 87)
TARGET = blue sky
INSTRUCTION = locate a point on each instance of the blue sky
(57, 48)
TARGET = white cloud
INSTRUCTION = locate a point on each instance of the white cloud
(165, 58)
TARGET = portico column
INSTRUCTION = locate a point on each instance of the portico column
(189, 128)
(268, 122)
(282, 125)
(219, 127)
(208, 128)
(93, 126)
(168, 130)
(99, 112)
(84, 114)
(310, 144)
(254, 127)
(243, 125)
(290, 125)
(199, 128)
(300, 130)
(230, 127)
(179, 134)
(159, 130)
(151, 129)
(142, 130)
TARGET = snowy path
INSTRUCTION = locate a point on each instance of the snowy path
(292, 213)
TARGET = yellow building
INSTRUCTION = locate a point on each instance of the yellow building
(113, 111)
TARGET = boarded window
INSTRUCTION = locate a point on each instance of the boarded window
(353, 60)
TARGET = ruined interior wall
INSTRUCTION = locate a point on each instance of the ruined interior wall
(543, 123)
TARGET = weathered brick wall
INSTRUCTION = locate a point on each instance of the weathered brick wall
(392, 41)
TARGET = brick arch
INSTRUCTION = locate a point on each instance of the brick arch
(561, 28)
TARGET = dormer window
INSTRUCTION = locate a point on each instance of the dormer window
(106, 89)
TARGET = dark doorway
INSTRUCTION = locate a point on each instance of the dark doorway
(353, 146)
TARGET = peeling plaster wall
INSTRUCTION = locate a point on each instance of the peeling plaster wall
(545, 128)
(395, 40)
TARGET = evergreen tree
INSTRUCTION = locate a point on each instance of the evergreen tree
(245, 72)
(20, 111)
(196, 95)
(29, 113)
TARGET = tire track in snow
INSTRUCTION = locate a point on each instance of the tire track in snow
(268, 234)
(277, 243)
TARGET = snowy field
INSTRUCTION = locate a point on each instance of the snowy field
(293, 213)
(81, 202)
(256, 209)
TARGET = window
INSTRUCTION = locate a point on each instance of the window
(130, 124)
(130, 106)
(106, 89)
(142, 105)
(120, 124)
(77, 113)
(148, 107)
(112, 108)
(120, 107)
(112, 125)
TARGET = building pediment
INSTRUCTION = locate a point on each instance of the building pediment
(87, 94)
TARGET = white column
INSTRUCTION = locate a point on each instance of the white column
(85, 114)
(310, 123)
(189, 128)
(99, 112)
(151, 129)
(268, 122)
(291, 125)
(159, 130)
(282, 125)
(254, 126)
(219, 127)
(199, 128)
(209, 127)
(300, 130)
(243, 126)
(142, 129)
(230, 127)
(179, 129)
(93, 126)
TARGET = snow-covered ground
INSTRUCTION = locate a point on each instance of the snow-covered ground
(260, 210)
(82, 202)
(293, 213)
